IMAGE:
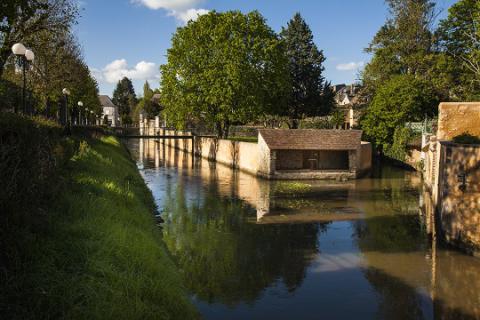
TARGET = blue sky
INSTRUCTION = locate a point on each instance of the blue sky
(130, 37)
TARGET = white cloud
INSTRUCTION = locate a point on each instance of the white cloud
(187, 15)
(349, 66)
(117, 69)
(183, 10)
(169, 4)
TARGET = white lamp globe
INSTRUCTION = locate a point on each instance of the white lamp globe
(80, 103)
(65, 91)
(19, 49)
(29, 55)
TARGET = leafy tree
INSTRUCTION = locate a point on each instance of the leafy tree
(124, 97)
(146, 104)
(20, 19)
(223, 68)
(403, 98)
(58, 64)
(305, 67)
(459, 38)
(404, 45)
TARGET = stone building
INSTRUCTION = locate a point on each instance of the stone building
(452, 174)
(110, 111)
(312, 154)
(349, 101)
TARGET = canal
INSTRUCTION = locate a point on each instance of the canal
(248, 248)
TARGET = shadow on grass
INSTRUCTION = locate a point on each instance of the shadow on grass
(99, 254)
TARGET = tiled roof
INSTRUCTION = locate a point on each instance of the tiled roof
(105, 101)
(311, 139)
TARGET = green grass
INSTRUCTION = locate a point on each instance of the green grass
(244, 139)
(98, 253)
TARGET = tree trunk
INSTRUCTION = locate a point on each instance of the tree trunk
(226, 128)
(218, 128)
(294, 124)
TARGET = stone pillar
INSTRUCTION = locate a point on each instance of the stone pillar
(157, 125)
(141, 123)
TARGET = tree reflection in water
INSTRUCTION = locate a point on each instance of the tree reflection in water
(226, 259)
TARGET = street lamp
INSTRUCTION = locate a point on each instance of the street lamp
(87, 116)
(64, 116)
(80, 107)
(93, 115)
(25, 57)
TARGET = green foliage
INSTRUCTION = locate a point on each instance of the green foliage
(93, 253)
(321, 123)
(10, 95)
(403, 98)
(398, 149)
(24, 19)
(292, 188)
(404, 45)
(46, 29)
(223, 68)
(466, 138)
(305, 67)
(338, 119)
(459, 37)
(146, 105)
(124, 97)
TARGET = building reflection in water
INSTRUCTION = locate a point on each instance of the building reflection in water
(239, 240)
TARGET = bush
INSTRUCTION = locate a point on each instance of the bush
(466, 138)
(398, 150)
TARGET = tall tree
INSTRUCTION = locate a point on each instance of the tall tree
(305, 67)
(403, 45)
(124, 97)
(20, 19)
(146, 104)
(223, 68)
(459, 37)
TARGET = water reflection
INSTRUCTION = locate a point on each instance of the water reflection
(250, 248)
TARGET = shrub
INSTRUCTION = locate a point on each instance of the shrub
(398, 149)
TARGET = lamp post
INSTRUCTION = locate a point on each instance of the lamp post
(25, 57)
(87, 116)
(64, 116)
(80, 107)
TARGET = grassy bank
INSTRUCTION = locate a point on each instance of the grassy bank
(93, 252)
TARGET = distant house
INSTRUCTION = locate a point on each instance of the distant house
(110, 111)
(348, 100)
(156, 98)
(313, 154)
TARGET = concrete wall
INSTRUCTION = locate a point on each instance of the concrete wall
(455, 118)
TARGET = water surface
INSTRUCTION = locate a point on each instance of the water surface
(249, 248)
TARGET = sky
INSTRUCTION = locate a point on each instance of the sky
(131, 37)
